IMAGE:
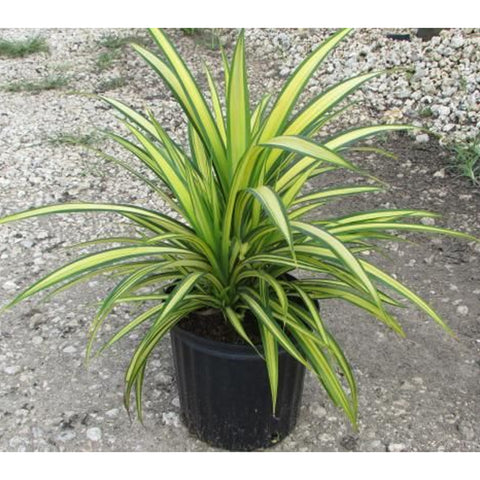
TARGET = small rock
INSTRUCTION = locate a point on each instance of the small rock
(69, 349)
(94, 434)
(13, 370)
(41, 235)
(422, 138)
(66, 436)
(466, 430)
(163, 378)
(349, 442)
(171, 419)
(443, 111)
(18, 443)
(37, 432)
(429, 260)
(462, 310)
(27, 244)
(427, 221)
(439, 173)
(326, 438)
(36, 321)
(457, 42)
(318, 410)
(407, 386)
(374, 446)
(10, 286)
(176, 402)
(396, 447)
(37, 340)
(112, 413)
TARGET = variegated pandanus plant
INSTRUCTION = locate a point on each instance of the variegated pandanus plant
(237, 192)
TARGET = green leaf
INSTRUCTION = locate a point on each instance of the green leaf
(270, 348)
(275, 208)
(295, 85)
(343, 254)
(344, 139)
(165, 321)
(265, 318)
(94, 261)
(238, 111)
(309, 148)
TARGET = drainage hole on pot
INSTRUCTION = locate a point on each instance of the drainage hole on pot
(275, 437)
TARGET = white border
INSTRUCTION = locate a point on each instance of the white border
(241, 466)
(239, 13)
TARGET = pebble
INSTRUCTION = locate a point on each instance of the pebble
(10, 286)
(318, 410)
(422, 138)
(171, 419)
(349, 442)
(66, 436)
(18, 443)
(13, 370)
(112, 413)
(396, 447)
(163, 378)
(429, 221)
(462, 310)
(37, 320)
(466, 430)
(94, 434)
(37, 340)
(374, 446)
(69, 349)
(457, 42)
(325, 438)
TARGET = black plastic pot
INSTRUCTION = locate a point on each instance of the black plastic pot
(225, 396)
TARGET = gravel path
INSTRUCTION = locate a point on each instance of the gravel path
(415, 395)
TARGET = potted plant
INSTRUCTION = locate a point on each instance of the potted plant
(218, 273)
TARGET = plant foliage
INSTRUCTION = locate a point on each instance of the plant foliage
(238, 191)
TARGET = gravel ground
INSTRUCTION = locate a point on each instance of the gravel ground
(419, 394)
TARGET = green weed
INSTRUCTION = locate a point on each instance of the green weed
(64, 138)
(111, 84)
(466, 160)
(114, 42)
(426, 112)
(22, 48)
(48, 83)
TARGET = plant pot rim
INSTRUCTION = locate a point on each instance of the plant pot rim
(208, 345)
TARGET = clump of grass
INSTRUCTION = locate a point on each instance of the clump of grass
(466, 160)
(22, 48)
(426, 112)
(114, 42)
(105, 59)
(207, 37)
(188, 31)
(112, 46)
(111, 84)
(64, 138)
(48, 83)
